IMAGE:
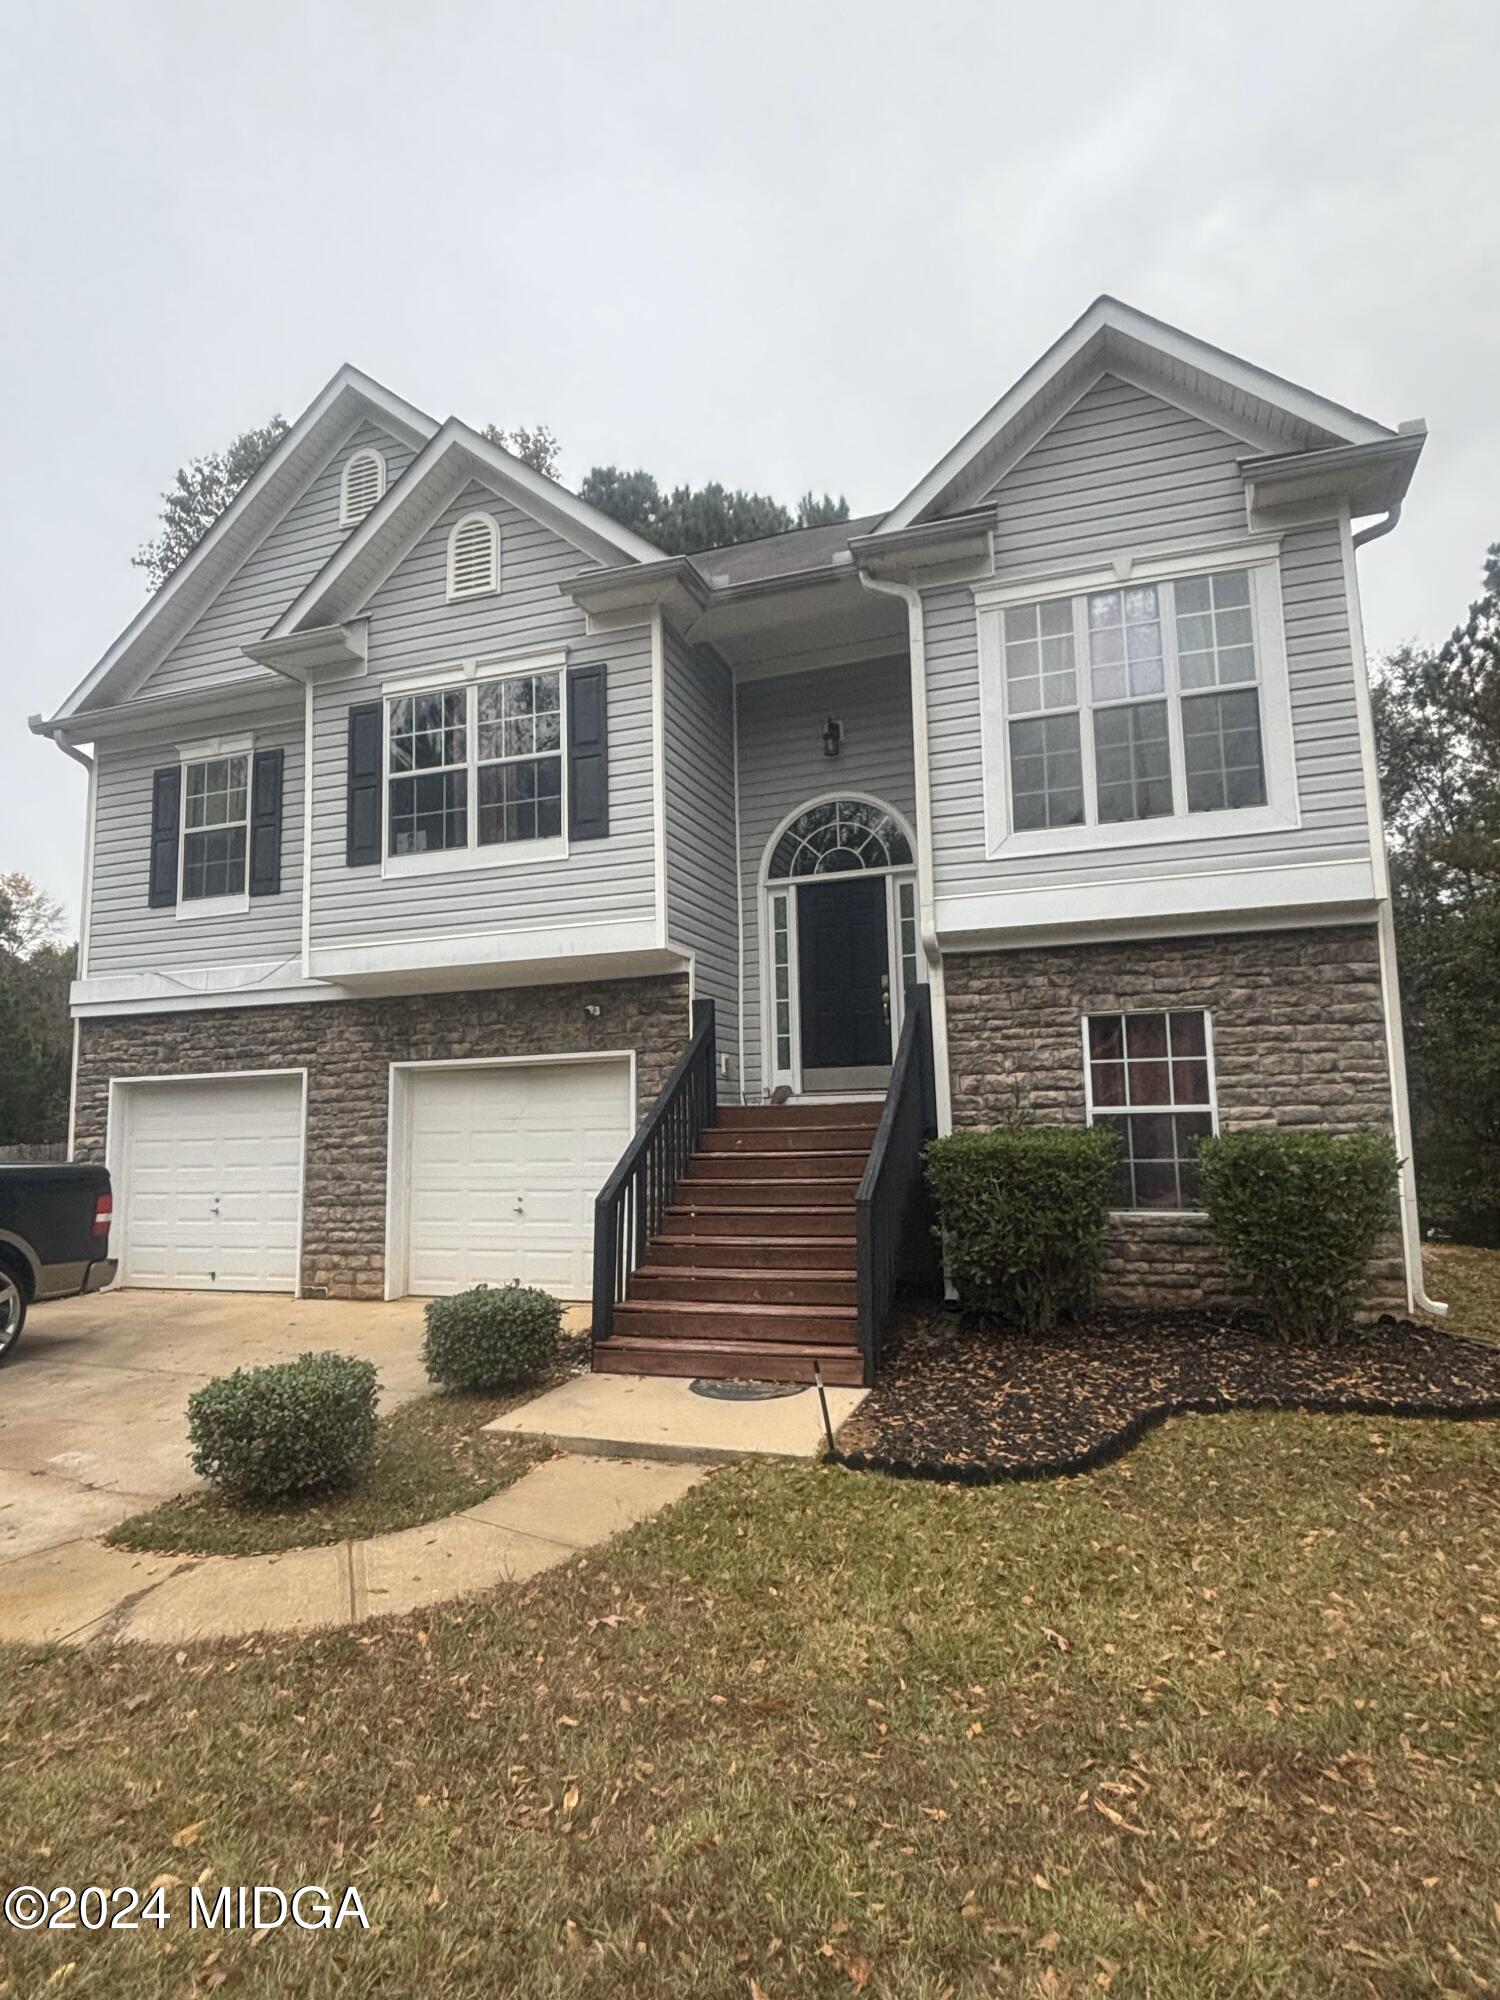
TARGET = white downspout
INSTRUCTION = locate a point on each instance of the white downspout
(87, 897)
(1385, 929)
(926, 913)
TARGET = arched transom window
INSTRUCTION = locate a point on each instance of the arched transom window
(838, 837)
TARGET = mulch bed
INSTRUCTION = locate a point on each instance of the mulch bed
(983, 1407)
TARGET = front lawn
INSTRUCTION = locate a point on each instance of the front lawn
(1219, 1720)
(432, 1457)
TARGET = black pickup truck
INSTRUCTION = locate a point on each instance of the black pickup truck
(54, 1235)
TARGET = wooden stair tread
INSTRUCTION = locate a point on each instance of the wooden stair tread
(759, 1208)
(685, 1308)
(788, 1274)
(779, 1242)
(665, 1343)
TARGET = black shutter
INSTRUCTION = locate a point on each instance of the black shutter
(588, 752)
(362, 844)
(265, 823)
(166, 816)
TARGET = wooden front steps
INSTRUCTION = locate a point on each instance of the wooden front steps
(753, 1272)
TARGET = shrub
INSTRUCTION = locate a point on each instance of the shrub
(486, 1340)
(1298, 1215)
(1023, 1212)
(296, 1427)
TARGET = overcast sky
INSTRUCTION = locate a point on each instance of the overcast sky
(784, 245)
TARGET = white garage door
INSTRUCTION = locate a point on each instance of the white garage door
(502, 1167)
(208, 1183)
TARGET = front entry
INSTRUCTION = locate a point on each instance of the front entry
(844, 980)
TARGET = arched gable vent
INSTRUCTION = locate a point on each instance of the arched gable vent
(363, 484)
(474, 557)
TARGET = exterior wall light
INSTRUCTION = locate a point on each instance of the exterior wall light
(833, 737)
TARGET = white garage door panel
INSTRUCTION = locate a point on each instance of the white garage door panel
(211, 1177)
(503, 1166)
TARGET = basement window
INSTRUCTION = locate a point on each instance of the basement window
(1151, 1078)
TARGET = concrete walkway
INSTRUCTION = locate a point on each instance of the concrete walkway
(663, 1416)
(83, 1592)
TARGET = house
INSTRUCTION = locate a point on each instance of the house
(426, 806)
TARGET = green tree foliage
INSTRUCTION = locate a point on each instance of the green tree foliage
(199, 494)
(36, 1034)
(1437, 723)
(536, 447)
(690, 518)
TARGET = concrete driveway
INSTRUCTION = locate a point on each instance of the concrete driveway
(92, 1402)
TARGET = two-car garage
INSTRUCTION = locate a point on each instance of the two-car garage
(492, 1170)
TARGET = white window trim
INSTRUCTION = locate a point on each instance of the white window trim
(468, 674)
(1282, 810)
(488, 589)
(773, 1076)
(346, 519)
(194, 909)
(1124, 1110)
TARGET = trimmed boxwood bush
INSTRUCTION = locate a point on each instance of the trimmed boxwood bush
(486, 1340)
(1023, 1211)
(295, 1427)
(1297, 1215)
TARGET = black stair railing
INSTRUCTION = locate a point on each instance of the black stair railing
(893, 1214)
(630, 1206)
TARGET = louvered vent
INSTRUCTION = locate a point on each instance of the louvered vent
(364, 482)
(474, 557)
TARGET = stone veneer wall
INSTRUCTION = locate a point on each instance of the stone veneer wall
(1298, 1039)
(346, 1046)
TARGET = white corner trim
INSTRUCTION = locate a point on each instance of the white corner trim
(307, 825)
(86, 908)
(659, 769)
(1364, 711)
(739, 889)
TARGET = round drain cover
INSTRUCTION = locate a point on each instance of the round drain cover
(746, 1392)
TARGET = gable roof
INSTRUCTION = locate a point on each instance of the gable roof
(340, 406)
(455, 457)
(1270, 414)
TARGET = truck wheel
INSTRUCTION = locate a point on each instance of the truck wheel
(12, 1308)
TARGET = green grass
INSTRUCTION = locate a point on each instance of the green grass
(1469, 1281)
(1219, 1720)
(432, 1457)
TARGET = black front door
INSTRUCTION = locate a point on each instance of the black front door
(843, 965)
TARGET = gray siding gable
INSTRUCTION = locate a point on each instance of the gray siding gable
(270, 579)
(1120, 469)
(1126, 471)
(413, 629)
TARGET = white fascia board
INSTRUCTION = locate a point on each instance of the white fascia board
(1108, 316)
(1370, 478)
(1250, 897)
(258, 701)
(347, 384)
(253, 983)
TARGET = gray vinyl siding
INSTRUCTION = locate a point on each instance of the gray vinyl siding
(1120, 470)
(782, 767)
(284, 564)
(702, 899)
(1124, 471)
(125, 933)
(414, 627)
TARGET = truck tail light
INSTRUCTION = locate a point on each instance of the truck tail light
(104, 1209)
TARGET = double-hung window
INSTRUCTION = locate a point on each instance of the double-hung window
(1150, 1079)
(216, 821)
(474, 769)
(1146, 700)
